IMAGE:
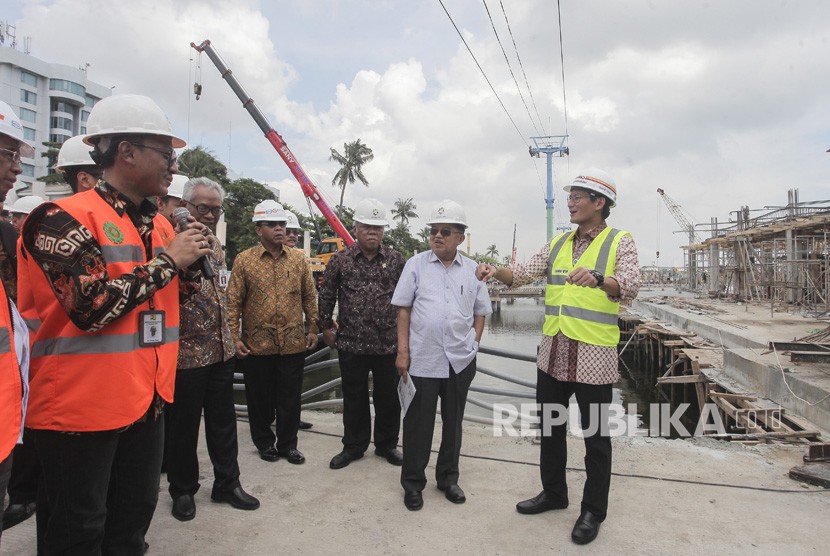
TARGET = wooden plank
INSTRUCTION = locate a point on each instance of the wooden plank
(681, 379)
(701, 397)
(810, 356)
(730, 396)
(706, 357)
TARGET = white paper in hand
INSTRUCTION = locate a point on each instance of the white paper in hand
(406, 391)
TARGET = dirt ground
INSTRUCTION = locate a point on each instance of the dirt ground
(667, 497)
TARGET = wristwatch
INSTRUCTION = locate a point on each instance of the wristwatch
(600, 278)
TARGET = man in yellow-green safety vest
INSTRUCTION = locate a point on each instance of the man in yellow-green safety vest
(589, 272)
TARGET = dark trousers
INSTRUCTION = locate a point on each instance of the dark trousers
(102, 488)
(554, 449)
(209, 388)
(357, 418)
(273, 386)
(25, 472)
(5, 473)
(419, 423)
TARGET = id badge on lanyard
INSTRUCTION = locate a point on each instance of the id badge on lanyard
(151, 330)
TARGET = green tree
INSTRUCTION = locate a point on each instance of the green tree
(199, 162)
(355, 155)
(401, 240)
(241, 197)
(404, 210)
(51, 155)
(424, 235)
(492, 251)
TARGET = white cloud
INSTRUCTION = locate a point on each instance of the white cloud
(721, 104)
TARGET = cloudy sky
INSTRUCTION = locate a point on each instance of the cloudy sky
(720, 103)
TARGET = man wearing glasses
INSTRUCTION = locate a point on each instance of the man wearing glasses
(106, 276)
(441, 313)
(589, 272)
(14, 345)
(204, 377)
(270, 291)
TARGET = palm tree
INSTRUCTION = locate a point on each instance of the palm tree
(492, 251)
(355, 155)
(404, 210)
(424, 234)
(199, 162)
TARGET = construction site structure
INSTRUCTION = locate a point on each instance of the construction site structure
(779, 257)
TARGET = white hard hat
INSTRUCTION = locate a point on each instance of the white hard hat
(370, 212)
(176, 188)
(10, 125)
(292, 223)
(448, 212)
(128, 114)
(269, 211)
(74, 152)
(597, 180)
(25, 205)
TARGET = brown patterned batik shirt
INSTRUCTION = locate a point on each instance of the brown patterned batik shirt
(204, 332)
(270, 296)
(570, 360)
(362, 289)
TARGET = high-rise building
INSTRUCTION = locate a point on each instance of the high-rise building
(53, 102)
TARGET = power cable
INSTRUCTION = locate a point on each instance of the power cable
(457, 30)
(509, 67)
(519, 58)
(618, 474)
(562, 60)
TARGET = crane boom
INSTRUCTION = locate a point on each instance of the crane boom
(308, 187)
(677, 212)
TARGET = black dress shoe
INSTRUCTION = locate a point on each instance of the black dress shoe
(293, 455)
(305, 425)
(585, 529)
(454, 494)
(541, 503)
(184, 508)
(269, 454)
(18, 513)
(237, 498)
(413, 500)
(343, 459)
(393, 456)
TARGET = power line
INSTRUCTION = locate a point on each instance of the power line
(519, 58)
(562, 60)
(457, 30)
(509, 67)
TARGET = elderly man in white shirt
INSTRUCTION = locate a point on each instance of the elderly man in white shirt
(441, 313)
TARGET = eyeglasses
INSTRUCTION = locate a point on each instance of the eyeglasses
(170, 155)
(445, 232)
(577, 198)
(12, 155)
(204, 209)
(272, 224)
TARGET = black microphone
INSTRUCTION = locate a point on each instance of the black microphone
(180, 216)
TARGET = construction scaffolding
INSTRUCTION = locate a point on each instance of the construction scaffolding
(779, 258)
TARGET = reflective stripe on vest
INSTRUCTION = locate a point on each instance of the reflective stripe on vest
(33, 324)
(583, 314)
(5, 340)
(77, 345)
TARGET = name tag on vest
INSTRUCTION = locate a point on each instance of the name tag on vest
(150, 328)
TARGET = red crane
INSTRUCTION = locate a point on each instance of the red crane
(309, 189)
